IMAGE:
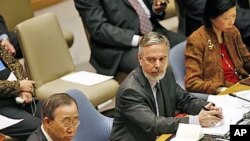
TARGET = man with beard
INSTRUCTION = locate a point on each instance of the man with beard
(143, 112)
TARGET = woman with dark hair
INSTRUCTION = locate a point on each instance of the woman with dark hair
(216, 57)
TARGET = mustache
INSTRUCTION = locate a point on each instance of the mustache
(156, 70)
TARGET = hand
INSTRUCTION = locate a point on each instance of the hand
(211, 116)
(158, 7)
(27, 86)
(8, 47)
(26, 96)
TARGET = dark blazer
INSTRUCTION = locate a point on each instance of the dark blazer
(112, 24)
(12, 37)
(135, 112)
(3, 28)
(37, 136)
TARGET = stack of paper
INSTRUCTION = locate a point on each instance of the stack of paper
(232, 108)
(86, 78)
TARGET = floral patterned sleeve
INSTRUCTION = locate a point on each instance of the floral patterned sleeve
(9, 88)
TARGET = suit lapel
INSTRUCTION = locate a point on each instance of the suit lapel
(146, 86)
(127, 3)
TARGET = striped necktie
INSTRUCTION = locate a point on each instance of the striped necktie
(145, 24)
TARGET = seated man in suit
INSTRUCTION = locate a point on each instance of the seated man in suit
(115, 28)
(13, 84)
(148, 98)
(9, 40)
(59, 119)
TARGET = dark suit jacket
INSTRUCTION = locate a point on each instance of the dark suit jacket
(12, 37)
(135, 112)
(111, 24)
(3, 28)
(37, 136)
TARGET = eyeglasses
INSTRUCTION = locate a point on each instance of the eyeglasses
(69, 123)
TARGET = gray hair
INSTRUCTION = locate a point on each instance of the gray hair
(153, 38)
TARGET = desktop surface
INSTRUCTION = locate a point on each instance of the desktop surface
(235, 88)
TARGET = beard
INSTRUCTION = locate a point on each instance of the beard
(155, 78)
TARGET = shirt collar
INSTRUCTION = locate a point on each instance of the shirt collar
(152, 83)
(45, 134)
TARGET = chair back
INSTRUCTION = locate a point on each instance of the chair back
(44, 48)
(177, 62)
(93, 125)
(15, 11)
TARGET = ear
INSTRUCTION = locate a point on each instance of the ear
(47, 122)
(139, 57)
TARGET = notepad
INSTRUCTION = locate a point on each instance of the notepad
(188, 132)
(86, 78)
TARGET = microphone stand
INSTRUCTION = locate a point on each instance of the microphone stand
(233, 95)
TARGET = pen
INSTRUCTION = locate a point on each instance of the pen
(206, 109)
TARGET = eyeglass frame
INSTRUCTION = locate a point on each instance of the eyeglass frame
(69, 124)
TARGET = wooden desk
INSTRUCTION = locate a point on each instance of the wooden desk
(235, 88)
(163, 137)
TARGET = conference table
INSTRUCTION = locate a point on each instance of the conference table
(235, 88)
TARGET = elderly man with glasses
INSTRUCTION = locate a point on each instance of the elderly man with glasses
(59, 119)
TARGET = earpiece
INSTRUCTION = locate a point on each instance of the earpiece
(19, 100)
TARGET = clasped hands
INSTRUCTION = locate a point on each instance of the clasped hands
(211, 116)
(27, 90)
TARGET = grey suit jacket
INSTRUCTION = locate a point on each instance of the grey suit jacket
(37, 136)
(111, 24)
(135, 112)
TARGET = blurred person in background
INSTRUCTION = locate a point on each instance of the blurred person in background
(115, 28)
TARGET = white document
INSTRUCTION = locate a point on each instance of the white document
(188, 132)
(233, 109)
(86, 78)
(6, 122)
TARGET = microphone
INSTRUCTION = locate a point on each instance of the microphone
(234, 95)
(19, 100)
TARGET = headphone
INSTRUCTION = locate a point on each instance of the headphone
(19, 100)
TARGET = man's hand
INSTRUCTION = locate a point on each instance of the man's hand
(211, 116)
(9, 47)
(159, 5)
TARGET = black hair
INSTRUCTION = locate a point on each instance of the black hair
(215, 8)
(53, 102)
